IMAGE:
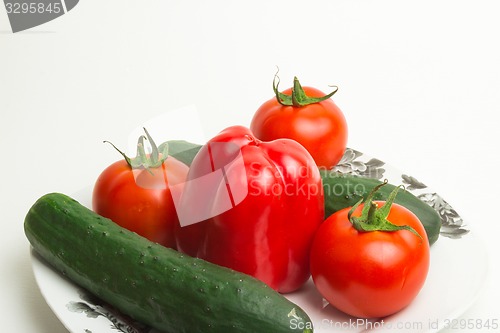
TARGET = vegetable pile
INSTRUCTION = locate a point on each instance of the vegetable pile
(226, 228)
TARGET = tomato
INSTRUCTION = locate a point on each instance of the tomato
(136, 195)
(370, 274)
(308, 116)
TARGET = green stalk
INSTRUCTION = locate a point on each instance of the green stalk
(298, 97)
(374, 218)
(142, 160)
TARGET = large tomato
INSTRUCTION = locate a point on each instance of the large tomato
(135, 194)
(374, 271)
(308, 116)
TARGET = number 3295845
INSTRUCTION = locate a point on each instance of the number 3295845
(33, 8)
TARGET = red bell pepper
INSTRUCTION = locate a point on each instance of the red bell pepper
(252, 206)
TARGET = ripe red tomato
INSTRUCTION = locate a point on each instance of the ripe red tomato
(308, 116)
(370, 274)
(139, 198)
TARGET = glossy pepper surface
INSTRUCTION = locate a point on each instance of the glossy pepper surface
(252, 206)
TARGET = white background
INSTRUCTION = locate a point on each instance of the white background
(419, 83)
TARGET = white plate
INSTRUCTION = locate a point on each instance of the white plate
(457, 273)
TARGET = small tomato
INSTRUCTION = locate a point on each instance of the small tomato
(367, 266)
(135, 193)
(308, 116)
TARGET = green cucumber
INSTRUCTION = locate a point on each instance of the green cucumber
(343, 190)
(150, 283)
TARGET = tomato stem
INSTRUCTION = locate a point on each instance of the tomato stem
(374, 218)
(143, 160)
(298, 97)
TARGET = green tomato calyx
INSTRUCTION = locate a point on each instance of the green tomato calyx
(373, 217)
(298, 97)
(144, 160)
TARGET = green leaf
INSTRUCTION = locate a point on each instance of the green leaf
(182, 150)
